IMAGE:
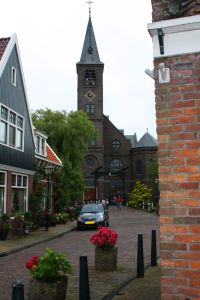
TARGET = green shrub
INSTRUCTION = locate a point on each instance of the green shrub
(140, 195)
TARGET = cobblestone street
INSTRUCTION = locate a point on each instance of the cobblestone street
(127, 222)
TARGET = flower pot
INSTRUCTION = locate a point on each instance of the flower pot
(106, 259)
(51, 290)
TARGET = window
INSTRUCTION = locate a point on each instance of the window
(116, 165)
(13, 76)
(115, 145)
(139, 167)
(2, 192)
(90, 108)
(90, 78)
(92, 142)
(43, 147)
(11, 128)
(90, 163)
(19, 193)
(40, 145)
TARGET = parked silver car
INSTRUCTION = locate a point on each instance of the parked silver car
(93, 215)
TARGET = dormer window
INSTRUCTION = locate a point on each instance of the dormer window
(90, 50)
(40, 145)
(13, 76)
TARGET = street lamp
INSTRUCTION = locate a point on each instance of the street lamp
(48, 172)
(157, 191)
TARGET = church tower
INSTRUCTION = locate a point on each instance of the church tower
(90, 100)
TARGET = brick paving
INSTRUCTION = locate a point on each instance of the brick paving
(127, 222)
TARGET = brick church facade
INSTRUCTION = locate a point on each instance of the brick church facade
(114, 160)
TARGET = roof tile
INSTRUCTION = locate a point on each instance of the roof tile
(51, 156)
(3, 45)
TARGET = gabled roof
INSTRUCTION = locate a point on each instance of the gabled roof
(90, 53)
(49, 156)
(6, 47)
(3, 45)
(52, 157)
(120, 131)
(133, 139)
(146, 140)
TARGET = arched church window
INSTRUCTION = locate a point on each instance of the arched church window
(90, 163)
(115, 145)
(116, 165)
(90, 78)
(139, 167)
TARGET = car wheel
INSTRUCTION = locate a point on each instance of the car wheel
(79, 228)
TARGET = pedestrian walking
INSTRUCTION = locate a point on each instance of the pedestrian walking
(119, 201)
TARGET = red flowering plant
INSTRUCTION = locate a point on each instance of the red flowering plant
(49, 266)
(105, 238)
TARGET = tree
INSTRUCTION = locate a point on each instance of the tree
(69, 136)
(140, 195)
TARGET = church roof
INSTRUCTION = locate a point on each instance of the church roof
(133, 139)
(90, 53)
(146, 140)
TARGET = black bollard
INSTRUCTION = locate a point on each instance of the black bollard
(18, 290)
(140, 257)
(153, 249)
(84, 289)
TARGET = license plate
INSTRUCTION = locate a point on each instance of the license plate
(89, 222)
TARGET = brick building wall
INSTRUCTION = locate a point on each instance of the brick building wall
(178, 129)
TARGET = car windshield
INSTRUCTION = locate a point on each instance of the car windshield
(92, 208)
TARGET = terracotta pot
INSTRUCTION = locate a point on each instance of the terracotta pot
(51, 290)
(106, 259)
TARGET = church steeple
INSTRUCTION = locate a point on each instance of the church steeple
(90, 54)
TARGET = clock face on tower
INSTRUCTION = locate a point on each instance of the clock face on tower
(89, 95)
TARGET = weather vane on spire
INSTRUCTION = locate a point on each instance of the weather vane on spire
(89, 3)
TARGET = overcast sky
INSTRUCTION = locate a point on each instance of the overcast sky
(50, 36)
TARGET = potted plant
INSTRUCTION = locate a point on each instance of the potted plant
(4, 226)
(105, 250)
(49, 280)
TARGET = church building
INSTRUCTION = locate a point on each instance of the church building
(114, 160)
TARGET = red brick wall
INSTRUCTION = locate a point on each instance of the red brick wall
(178, 129)
(161, 9)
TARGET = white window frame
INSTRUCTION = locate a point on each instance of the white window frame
(21, 187)
(5, 188)
(13, 76)
(15, 126)
(39, 149)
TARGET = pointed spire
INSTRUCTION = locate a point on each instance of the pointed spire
(89, 3)
(90, 53)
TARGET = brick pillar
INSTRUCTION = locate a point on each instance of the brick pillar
(178, 129)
